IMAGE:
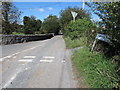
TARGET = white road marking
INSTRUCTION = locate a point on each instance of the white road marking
(63, 61)
(11, 79)
(25, 60)
(29, 57)
(8, 56)
(33, 47)
(2, 59)
(27, 68)
(46, 61)
(48, 57)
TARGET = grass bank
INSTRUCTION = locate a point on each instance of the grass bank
(74, 43)
(97, 71)
(16, 33)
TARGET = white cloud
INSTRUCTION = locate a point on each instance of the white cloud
(41, 9)
(50, 8)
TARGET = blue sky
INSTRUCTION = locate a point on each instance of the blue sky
(42, 9)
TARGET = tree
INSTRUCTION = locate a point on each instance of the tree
(27, 25)
(10, 14)
(80, 28)
(31, 25)
(66, 17)
(109, 12)
(51, 25)
(0, 24)
(38, 25)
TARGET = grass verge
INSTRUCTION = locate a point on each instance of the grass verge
(16, 33)
(75, 43)
(98, 71)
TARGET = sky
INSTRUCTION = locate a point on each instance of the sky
(42, 9)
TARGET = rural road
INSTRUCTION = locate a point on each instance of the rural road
(38, 64)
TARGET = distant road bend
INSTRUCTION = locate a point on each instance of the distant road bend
(38, 64)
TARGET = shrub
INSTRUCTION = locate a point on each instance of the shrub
(79, 42)
(81, 27)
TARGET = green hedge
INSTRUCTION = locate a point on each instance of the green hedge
(79, 28)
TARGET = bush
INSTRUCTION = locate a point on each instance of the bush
(79, 28)
(75, 43)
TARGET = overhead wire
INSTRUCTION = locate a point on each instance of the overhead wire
(41, 6)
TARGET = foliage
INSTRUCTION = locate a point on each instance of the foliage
(10, 15)
(109, 12)
(31, 25)
(75, 43)
(81, 28)
(0, 24)
(66, 16)
(16, 33)
(98, 71)
(51, 25)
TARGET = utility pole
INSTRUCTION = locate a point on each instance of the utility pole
(83, 5)
(74, 14)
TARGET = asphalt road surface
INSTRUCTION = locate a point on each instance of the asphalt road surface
(38, 64)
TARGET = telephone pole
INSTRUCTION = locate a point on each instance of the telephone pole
(83, 4)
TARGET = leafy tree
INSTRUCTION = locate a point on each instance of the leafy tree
(109, 12)
(31, 25)
(0, 20)
(38, 24)
(79, 28)
(10, 14)
(66, 17)
(51, 25)
(26, 22)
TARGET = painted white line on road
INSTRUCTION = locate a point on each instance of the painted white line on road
(2, 59)
(25, 60)
(8, 56)
(33, 47)
(30, 57)
(8, 83)
(48, 57)
(63, 61)
(11, 79)
(27, 68)
(46, 61)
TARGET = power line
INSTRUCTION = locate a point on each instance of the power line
(42, 6)
(83, 5)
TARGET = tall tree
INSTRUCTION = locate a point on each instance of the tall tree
(38, 24)
(10, 14)
(51, 25)
(0, 21)
(66, 17)
(109, 12)
(31, 25)
(27, 25)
